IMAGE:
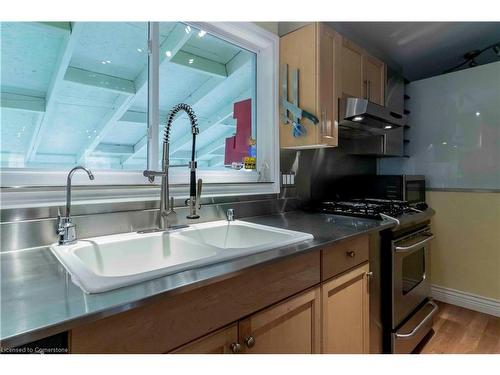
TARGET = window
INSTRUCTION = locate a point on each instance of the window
(217, 79)
(78, 94)
(69, 91)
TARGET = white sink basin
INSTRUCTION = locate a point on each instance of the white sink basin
(104, 263)
(242, 236)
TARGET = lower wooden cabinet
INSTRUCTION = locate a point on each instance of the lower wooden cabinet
(222, 341)
(331, 316)
(345, 307)
(291, 327)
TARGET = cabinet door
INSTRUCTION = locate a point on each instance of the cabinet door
(351, 70)
(374, 79)
(219, 342)
(292, 327)
(346, 313)
(326, 82)
(298, 51)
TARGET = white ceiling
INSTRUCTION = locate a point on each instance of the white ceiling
(423, 49)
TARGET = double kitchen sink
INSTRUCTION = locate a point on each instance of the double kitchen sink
(104, 263)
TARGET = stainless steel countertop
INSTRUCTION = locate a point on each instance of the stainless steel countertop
(38, 298)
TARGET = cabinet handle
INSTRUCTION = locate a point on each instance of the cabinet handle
(365, 89)
(235, 347)
(369, 90)
(250, 341)
(351, 253)
(323, 122)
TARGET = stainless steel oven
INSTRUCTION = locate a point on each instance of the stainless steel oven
(412, 310)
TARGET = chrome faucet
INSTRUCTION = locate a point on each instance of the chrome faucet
(66, 229)
(167, 214)
(230, 214)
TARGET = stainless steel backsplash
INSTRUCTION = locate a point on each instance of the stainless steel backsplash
(318, 171)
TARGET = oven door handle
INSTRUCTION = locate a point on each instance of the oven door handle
(414, 331)
(407, 249)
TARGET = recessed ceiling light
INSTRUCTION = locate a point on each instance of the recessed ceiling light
(444, 143)
(388, 127)
(202, 33)
(357, 118)
(108, 61)
(139, 49)
(478, 114)
(168, 53)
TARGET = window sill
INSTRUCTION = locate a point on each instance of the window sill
(47, 196)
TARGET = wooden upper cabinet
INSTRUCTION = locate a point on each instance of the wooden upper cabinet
(327, 99)
(374, 79)
(219, 342)
(351, 79)
(361, 75)
(345, 306)
(311, 50)
(291, 327)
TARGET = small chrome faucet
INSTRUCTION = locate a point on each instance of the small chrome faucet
(230, 214)
(66, 229)
(167, 214)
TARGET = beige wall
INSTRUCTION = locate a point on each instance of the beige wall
(466, 252)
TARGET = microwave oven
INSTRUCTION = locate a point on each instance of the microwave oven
(410, 188)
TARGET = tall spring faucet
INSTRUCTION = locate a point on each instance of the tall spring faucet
(167, 213)
(66, 229)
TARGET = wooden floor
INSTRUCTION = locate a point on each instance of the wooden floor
(461, 331)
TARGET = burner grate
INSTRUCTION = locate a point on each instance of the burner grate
(365, 208)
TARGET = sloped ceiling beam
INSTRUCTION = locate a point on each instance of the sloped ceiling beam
(67, 47)
(173, 43)
(138, 117)
(200, 64)
(113, 149)
(64, 26)
(22, 102)
(102, 81)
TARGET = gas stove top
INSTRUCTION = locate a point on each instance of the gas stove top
(378, 209)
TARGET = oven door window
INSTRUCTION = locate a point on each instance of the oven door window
(413, 270)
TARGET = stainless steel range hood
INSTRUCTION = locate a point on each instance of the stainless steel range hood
(361, 115)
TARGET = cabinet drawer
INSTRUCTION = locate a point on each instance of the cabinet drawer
(343, 256)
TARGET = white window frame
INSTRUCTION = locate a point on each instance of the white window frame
(217, 182)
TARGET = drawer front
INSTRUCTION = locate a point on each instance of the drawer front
(343, 256)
